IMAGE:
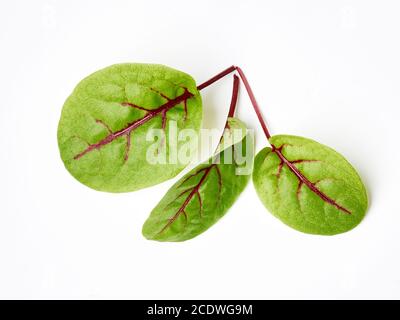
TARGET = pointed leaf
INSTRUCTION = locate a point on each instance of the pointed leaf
(234, 132)
(201, 197)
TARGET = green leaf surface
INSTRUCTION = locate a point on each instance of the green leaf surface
(104, 122)
(201, 197)
(309, 186)
(234, 132)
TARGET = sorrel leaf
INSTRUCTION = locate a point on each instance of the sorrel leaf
(201, 197)
(104, 122)
(309, 186)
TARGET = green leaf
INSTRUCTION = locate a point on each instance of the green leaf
(104, 122)
(201, 197)
(234, 132)
(309, 186)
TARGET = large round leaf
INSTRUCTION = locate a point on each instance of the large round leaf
(104, 123)
(309, 186)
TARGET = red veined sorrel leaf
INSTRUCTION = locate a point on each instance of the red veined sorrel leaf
(104, 124)
(320, 196)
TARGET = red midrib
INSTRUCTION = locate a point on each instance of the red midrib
(307, 182)
(194, 191)
(137, 123)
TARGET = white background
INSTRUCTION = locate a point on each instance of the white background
(327, 70)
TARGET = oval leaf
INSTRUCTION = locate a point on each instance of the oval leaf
(201, 197)
(104, 123)
(309, 186)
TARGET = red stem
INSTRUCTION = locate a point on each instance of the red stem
(235, 92)
(254, 102)
(248, 89)
(216, 78)
(232, 108)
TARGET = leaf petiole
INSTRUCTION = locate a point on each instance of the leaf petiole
(248, 89)
(234, 98)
